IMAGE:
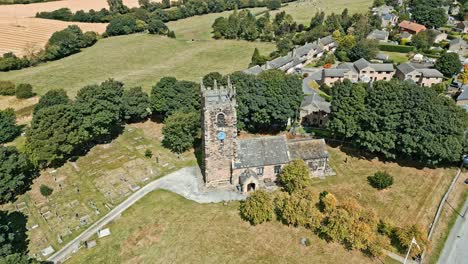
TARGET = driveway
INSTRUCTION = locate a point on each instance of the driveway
(186, 182)
(456, 247)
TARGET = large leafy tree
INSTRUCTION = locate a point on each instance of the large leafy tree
(55, 133)
(181, 130)
(449, 64)
(101, 108)
(259, 207)
(365, 48)
(16, 173)
(136, 106)
(8, 128)
(170, 95)
(295, 176)
(347, 107)
(51, 98)
(429, 13)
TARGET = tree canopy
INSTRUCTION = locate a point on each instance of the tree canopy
(180, 131)
(295, 176)
(449, 64)
(8, 128)
(136, 105)
(51, 98)
(258, 207)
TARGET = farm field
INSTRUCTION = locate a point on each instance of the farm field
(91, 186)
(164, 227)
(139, 60)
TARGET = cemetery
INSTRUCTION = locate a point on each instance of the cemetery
(88, 188)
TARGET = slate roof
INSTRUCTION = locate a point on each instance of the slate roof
(378, 35)
(361, 64)
(255, 70)
(431, 73)
(262, 151)
(382, 56)
(464, 94)
(280, 62)
(305, 49)
(307, 149)
(388, 17)
(314, 103)
(407, 67)
(382, 67)
(326, 40)
(347, 66)
(334, 72)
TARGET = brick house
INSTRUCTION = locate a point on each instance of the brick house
(419, 74)
(314, 111)
(411, 27)
(248, 164)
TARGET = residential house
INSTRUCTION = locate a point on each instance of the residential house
(462, 26)
(327, 43)
(314, 111)
(419, 74)
(389, 20)
(439, 36)
(360, 70)
(411, 27)
(406, 35)
(459, 46)
(462, 99)
(380, 35)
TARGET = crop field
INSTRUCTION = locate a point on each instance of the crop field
(166, 228)
(88, 188)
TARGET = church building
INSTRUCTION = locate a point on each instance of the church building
(248, 164)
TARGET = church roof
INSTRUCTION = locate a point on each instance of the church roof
(262, 151)
(307, 149)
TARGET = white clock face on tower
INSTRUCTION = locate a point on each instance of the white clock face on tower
(221, 135)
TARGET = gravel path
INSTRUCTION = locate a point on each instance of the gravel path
(186, 182)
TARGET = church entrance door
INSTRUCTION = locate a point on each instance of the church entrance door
(251, 187)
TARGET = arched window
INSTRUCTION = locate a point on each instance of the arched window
(221, 120)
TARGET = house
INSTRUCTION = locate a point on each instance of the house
(411, 27)
(381, 57)
(248, 164)
(255, 70)
(382, 10)
(380, 35)
(406, 35)
(439, 36)
(462, 26)
(309, 52)
(388, 20)
(462, 99)
(419, 74)
(327, 43)
(459, 46)
(314, 111)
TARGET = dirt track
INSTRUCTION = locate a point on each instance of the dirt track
(20, 32)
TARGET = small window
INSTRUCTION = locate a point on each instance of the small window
(260, 171)
(221, 120)
(277, 169)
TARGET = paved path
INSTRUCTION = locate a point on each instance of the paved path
(185, 182)
(456, 247)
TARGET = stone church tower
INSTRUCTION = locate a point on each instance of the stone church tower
(219, 128)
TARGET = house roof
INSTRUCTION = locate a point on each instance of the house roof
(314, 103)
(305, 49)
(405, 35)
(361, 64)
(431, 73)
(412, 26)
(347, 66)
(262, 151)
(378, 35)
(307, 149)
(334, 72)
(388, 17)
(382, 67)
(382, 56)
(280, 62)
(326, 40)
(406, 68)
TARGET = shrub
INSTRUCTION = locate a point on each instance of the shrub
(273, 4)
(8, 128)
(148, 153)
(24, 91)
(402, 239)
(258, 207)
(396, 48)
(300, 210)
(10, 61)
(7, 88)
(46, 190)
(380, 180)
(156, 26)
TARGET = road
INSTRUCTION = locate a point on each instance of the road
(456, 247)
(185, 182)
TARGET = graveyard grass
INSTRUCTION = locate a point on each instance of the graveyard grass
(102, 179)
(166, 228)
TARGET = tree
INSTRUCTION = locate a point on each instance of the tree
(347, 105)
(295, 176)
(24, 91)
(317, 20)
(273, 4)
(210, 78)
(117, 6)
(156, 26)
(180, 131)
(258, 59)
(122, 25)
(405, 235)
(284, 45)
(220, 27)
(7, 88)
(463, 77)
(380, 180)
(136, 105)
(449, 64)
(8, 128)
(101, 108)
(423, 40)
(258, 207)
(366, 49)
(300, 210)
(431, 17)
(45, 190)
(55, 133)
(51, 98)
(170, 95)
(16, 174)
(65, 42)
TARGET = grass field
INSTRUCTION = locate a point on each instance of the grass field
(397, 56)
(165, 228)
(87, 189)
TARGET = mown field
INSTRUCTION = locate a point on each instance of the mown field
(166, 228)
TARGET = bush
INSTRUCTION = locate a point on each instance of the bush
(24, 91)
(258, 207)
(396, 48)
(7, 88)
(8, 128)
(10, 61)
(273, 4)
(148, 153)
(46, 190)
(300, 210)
(121, 25)
(295, 176)
(156, 26)
(380, 180)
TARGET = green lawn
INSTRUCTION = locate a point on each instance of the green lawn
(139, 60)
(397, 57)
